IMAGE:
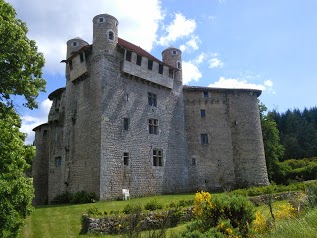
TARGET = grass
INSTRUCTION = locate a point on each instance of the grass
(64, 220)
(305, 227)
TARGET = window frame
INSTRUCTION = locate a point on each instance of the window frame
(157, 157)
(202, 113)
(204, 138)
(126, 158)
(153, 126)
(152, 99)
(126, 123)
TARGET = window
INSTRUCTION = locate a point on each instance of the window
(152, 99)
(193, 161)
(128, 56)
(204, 139)
(45, 133)
(58, 161)
(174, 52)
(205, 94)
(157, 157)
(70, 64)
(126, 124)
(178, 65)
(101, 19)
(126, 158)
(202, 113)
(150, 64)
(153, 126)
(111, 35)
(82, 57)
(138, 59)
(171, 73)
(74, 43)
(160, 69)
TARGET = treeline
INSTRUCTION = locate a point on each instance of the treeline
(297, 132)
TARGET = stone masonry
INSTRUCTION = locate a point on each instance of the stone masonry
(125, 120)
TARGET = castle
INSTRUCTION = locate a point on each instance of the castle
(126, 121)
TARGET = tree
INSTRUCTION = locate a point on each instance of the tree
(272, 147)
(20, 75)
(16, 190)
(20, 63)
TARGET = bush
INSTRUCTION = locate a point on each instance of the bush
(75, 198)
(94, 212)
(212, 211)
(153, 205)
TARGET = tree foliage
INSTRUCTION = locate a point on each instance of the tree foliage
(298, 132)
(16, 190)
(272, 146)
(20, 63)
(20, 75)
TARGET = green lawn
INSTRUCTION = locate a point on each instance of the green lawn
(64, 220)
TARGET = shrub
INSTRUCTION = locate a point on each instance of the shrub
(82, 197)
(211, 211)
(153, 205)
(94, 212)
(75, 198)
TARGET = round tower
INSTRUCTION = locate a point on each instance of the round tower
(73, 45)
(173, 57)
(105, 33)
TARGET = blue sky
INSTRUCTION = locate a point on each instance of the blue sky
(264, 44)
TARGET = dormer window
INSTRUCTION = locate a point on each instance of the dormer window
(111, 35)
(74, 43)
(101, 19)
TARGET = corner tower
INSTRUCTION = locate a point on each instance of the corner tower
(173, 57)
(105, 33)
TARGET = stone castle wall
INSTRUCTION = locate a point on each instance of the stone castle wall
(100, 137)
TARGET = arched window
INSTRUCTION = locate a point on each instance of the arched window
(110, 35)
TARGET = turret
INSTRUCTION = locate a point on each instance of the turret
(105, 34)
(73, 45)
(173, 57)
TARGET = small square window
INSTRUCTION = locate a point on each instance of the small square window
(75, 43)
(58, 161)
(174, 52)
(126, 124)
(203, 139)
(202, 113)
(101, 19)
(126, 158)
(205, 94)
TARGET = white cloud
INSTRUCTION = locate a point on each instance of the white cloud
(29, 122)
(190, 72)
(215, 63)
(52, 23)
(179, 28)
(242, 83)
(192, 44)
(200, 58)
